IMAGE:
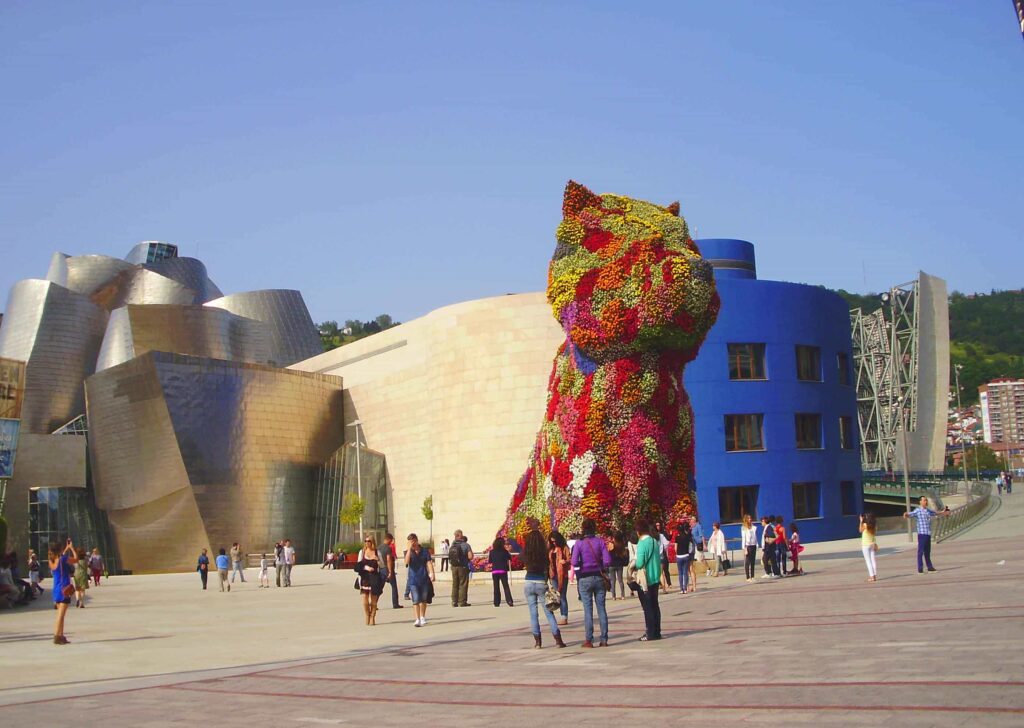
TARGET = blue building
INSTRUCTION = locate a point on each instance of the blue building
(775, 403)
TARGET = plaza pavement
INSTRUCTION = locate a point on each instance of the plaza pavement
(826, 648)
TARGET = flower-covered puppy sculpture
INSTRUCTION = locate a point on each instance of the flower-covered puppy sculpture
(636, 300)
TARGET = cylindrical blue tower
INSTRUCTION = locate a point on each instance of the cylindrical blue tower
(775, 404)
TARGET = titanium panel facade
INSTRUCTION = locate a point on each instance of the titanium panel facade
(293, 336)
(192, 452)
(190, 273)
(85, 274)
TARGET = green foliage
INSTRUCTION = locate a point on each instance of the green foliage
(332, 336)
(347, 548)
(986, 332)
(986, 459)
(352, 510)
(427, 509)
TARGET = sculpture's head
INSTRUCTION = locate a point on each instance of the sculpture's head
(626, 278)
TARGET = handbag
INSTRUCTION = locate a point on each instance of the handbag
(68, 591)
(552, 599)
(726, 563)
(357, 584)
(604, 577)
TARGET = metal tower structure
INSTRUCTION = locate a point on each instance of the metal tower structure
(885, 352)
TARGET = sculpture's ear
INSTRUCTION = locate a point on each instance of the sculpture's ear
(577, 198)
(673, 209)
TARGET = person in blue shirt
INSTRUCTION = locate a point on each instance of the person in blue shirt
(62, 564)
(223, 564)
(924, 516)
(203, 567)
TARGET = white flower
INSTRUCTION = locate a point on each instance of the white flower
(581, 468)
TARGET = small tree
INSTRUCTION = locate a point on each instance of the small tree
(352, 510)
(427, 509)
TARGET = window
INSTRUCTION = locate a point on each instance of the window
(806, 500)
(734, 502)
(808, 363)
(843, 365)
(846, 433)
(744, 432)
(808, 431)
(746, 361)
(848, 495)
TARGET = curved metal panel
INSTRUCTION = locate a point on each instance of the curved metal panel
(293, 337)
(87, 274)
(189, 272)
(117, 346)
(139, 285)
(58, 271)
(58, 334)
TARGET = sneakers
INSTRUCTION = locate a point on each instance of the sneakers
(420, 621)
(766, 576)
(931, 569)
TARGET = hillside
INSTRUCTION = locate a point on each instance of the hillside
(986, 332)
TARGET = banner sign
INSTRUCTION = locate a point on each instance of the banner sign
(12, 387)
(8, 446)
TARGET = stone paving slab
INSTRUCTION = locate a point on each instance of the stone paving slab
(827, 648)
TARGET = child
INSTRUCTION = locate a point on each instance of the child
(33, 572)
(264, 577)
(794, 550)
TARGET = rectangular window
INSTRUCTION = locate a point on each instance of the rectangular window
(808, 363)
(808, 431)
(736, 501)
(848, 495)
(806, 500)
(744, 432)
(746, 361)
(843, 365)
(846, 433)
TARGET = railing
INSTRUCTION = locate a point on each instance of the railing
(966, 515)
(920, 486)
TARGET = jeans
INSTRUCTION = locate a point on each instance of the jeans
(780, 556)
(924, 551)
(279, 568)
(770, 560)
(869, 559)
(592, 590)
(236, 568)
(444, 563)
(460, 585)
(203, 575)
(393, 581)
(652, 612)
(534, 592)
(501, 580)
(287, 574)
(664, 568)
(617, 581)
(748, 561)
(683, 567)
(563, 608)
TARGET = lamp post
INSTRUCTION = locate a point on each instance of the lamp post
(359, 474)
(906, 466)
(960, 419)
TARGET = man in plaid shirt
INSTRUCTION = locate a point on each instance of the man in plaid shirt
(924, 516)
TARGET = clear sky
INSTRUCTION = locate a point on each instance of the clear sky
(397, 157)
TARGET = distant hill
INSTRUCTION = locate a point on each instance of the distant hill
(986, 332)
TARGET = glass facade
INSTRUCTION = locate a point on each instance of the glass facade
(55, 514)
(337, 479)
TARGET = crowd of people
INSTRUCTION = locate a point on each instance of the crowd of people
(233, 563)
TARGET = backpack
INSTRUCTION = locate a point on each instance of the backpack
(457, 555)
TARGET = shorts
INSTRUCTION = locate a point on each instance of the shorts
(418, 594)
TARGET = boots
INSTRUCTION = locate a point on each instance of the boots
(536, 642)
(558, 640)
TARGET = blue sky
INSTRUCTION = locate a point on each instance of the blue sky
(398, 157)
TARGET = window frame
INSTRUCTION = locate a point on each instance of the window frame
(756, 353)
(741, 490)
(802, 485)
(734, 430)
(846, 440)
(798, 430)
(853, 501)
(845, 376)
(816, 350)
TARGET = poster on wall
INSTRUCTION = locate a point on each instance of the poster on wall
(12, 375)
(8, 446)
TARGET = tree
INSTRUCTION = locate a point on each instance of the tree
(352, 510)
(384, 321)
(427, 509)
(328, 328)
(986, 459)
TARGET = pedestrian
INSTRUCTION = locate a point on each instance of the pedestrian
(236, 563)
(500, 560)
(869, 544)
(203, 567)
(1009, 482)
(662, 539)
(33, 572)
(390, 563)
(288, 554)
(684, 554)
(648, 581)
(535, 587)
(279, 561)
(96, 566)
(62, 563)
(781, 545)
(795, 547)
(420, 575)
(560, 560)
(591, 560)
(700, 545)
(769, 555)
(748, 540)
(264, 568)
(443, 553)
(328, 560)
(81, 577)
(1000, 482)
(620, 560)
(371, 583)
(223, 564)
(924, 516)
(716, 545)
(461, 556)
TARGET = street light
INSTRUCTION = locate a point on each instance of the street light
(906, 465)
(359, 475)
(960, 419)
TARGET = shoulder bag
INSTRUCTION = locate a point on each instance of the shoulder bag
(604, 577)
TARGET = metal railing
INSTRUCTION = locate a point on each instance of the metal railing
(967, 514)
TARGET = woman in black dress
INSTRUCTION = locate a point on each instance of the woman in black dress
(371, 583)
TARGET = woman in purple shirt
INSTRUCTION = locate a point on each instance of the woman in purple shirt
(591, 560)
